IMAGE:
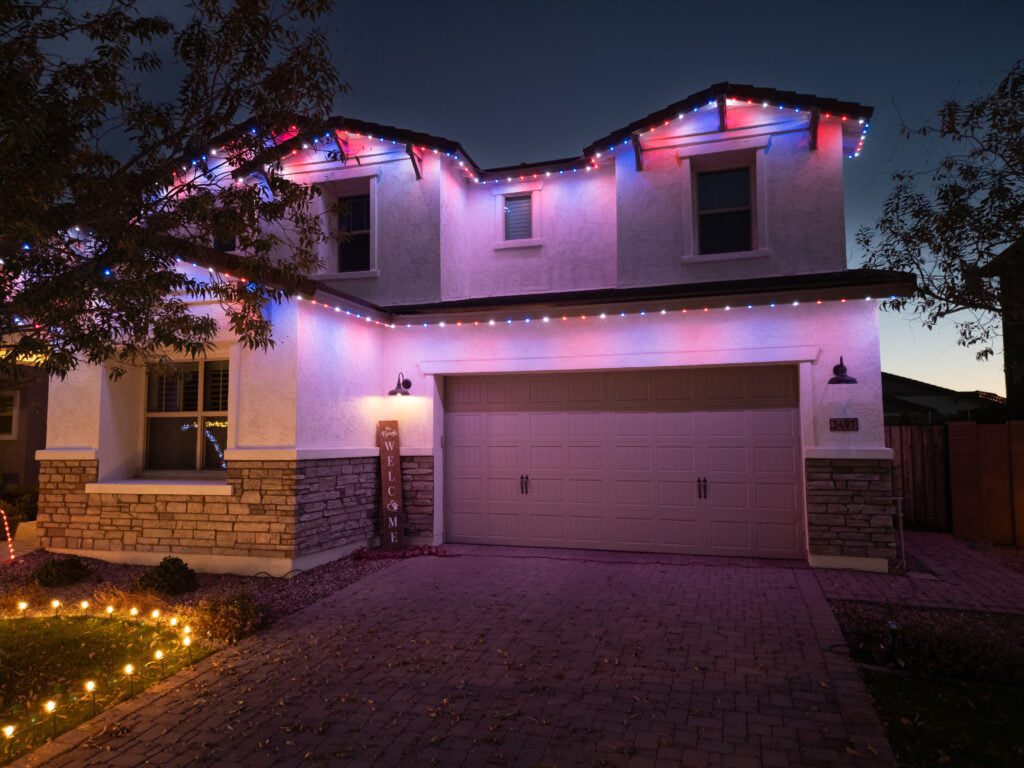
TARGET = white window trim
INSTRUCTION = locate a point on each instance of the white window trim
(16, 406)
(157, 474)
(373, 175)
(533, 189)
(691, 244)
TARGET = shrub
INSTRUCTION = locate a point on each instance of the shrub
(229, 618)
(60, 572)
(171, 577)
(20, 501)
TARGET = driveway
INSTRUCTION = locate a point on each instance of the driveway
(524, 658)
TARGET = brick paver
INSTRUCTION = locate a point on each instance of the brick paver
(962, 579)
(506, 657)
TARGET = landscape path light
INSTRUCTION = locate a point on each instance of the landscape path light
(110, 610)
(129, 669)
(22, 606)
(90, 688)
(155, 615)
(84, 605)
(55, 604)
(134, 612)
(159, 657)
(187, 642)
(51, 709)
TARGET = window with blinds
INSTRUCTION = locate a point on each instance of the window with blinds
(518, 217)
(724, 214)
(354, 233)
(186, 416)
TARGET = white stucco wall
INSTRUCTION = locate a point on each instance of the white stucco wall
(815, 335)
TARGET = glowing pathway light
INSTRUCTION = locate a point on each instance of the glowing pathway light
(187, 642)
(129, 670)
(50, 707)
(55, 604)
(22, 606)
(7, 532)
(90, 689)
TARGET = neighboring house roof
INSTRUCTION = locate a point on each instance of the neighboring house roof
(909, 398)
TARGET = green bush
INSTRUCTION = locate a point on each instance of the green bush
(171, 577)
(229, 618)
(60, 572)
(20, 501)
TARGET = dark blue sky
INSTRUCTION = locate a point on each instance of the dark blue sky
(531, 80)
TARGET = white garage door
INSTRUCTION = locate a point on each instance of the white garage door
(698, 461)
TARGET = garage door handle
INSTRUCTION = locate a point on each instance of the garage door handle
(527, 484)
(705, 483)
(522, 484)
(698, 489)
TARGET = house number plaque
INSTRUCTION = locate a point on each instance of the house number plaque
(390, 484)
(844, 425)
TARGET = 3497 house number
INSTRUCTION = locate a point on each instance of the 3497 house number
(844, 425)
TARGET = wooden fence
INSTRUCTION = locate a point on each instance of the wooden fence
(986, 463)
(921, 474)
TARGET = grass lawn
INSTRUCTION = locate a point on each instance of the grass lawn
(955, 695)
(949, 722)
(51, 658)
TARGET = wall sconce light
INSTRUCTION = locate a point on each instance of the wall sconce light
(402, 386)
(840, 376)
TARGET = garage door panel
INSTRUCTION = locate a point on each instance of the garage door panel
(633, 458)
(678, 533)
(730, 534)
(635, 530)
(586, 457)
(586, 491)
(588, 529)
(632, 425)
(677, 494)
(675, 425)
(777, 537)
(776, 458)
(635, 493)
(613, 460)
(585, 424)
(676, 458)
(727, 458)
(498, 457)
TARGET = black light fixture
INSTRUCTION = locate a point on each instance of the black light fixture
(840, 375)
(402, 386)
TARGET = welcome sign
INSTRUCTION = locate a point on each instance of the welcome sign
(390, 484)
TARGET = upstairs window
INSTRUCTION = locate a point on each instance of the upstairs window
(724, 212)
(187, 416)
(518, 217)
(354, 233)
(8, 415)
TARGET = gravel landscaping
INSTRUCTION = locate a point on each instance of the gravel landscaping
(109, 582)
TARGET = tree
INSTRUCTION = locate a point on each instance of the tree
(959, 227)
(131, 140)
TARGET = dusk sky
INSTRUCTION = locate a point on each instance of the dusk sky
(538, 80)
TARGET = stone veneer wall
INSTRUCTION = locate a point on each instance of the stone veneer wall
(278, 509)
(850, 508)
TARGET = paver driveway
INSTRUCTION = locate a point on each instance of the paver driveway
(519, 657)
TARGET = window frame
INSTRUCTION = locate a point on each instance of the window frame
(15, 408)
(338, 188)
(748, 208)
(721, 156)
(200, 414)
(528, 197)
(531, 188)
(368, 232)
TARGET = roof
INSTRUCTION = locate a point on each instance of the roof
(920, 388)
(713, 96)
(851, 283)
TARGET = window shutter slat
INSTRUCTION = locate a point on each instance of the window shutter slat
(518, 217)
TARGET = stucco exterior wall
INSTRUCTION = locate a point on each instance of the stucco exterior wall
(812, 334)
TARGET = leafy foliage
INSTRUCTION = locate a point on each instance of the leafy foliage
(95, 202)
(953, 235)
(171, 577)
(229, 618)
(61, 572)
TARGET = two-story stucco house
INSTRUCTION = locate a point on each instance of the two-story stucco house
(632, 349)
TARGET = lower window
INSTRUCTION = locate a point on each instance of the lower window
(186, 416)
